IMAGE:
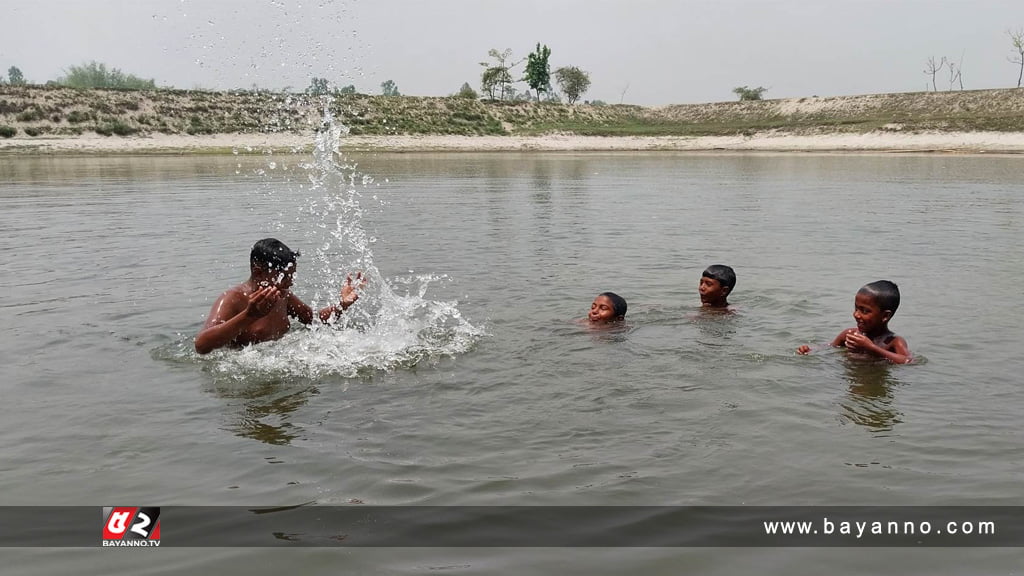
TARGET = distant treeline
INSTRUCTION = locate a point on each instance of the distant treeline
(90, 75)
(496, 80)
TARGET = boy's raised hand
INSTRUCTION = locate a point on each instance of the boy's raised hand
(348, 290)
(262, 301)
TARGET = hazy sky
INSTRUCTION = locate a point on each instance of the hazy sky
(648, 52)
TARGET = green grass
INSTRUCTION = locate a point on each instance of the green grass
(651, 127)
(11, 106)
(117, 127)
(78, 116)
(30, 115)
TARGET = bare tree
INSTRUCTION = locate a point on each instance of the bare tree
(1017, 38)
(623, 95)
(931, 67)
(955, 73)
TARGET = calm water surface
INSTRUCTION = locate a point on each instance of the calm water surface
(464, 379)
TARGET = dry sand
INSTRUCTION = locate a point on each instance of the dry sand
(882, 141)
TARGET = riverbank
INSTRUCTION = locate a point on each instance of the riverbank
(57, 120)
(892, 142)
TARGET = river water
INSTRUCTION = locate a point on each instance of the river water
(463, 377)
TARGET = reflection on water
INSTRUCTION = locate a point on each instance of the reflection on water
(266, 407)
(541, 179)
(870, 401)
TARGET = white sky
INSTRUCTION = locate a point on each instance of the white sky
(648, 52)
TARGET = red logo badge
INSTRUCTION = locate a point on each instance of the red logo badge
(136, 526)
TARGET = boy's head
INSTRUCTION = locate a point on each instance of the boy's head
(716, 283)
(270, 257)
(607, 307)
(875, 304)
(886, 294)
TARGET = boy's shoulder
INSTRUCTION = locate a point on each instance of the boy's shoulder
(893, 337)
(236, 291)
(887, 338)
(235, 294)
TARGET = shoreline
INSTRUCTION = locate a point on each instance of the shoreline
(878, 141)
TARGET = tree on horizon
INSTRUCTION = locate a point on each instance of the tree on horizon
(467, 92)
(1017, 38)
(931, 68)
(956, 70)
(747, 93)
(573, 82)
(15, 77)
(538, 71)
(498, 75)
(96, 75)
(318, 87)
(389, 88)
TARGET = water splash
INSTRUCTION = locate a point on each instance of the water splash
(414, 332)
(394, 324)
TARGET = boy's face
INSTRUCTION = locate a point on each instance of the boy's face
(280, 278)
(602, 310)
(284, 279)
(712, 293)
(869, 317)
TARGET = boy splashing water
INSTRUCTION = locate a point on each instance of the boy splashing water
(258, 309)
(873, 307)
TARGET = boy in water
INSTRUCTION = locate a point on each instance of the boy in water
(716, 283)
(873, 307)
(607, 307)
(257, 310)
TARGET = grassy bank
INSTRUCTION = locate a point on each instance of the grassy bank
(28, 112)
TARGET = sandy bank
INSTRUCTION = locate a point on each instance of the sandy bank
(960, 142)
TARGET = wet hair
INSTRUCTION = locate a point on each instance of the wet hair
(272, 254)
(885, 293)
(724, 274)
(618, 303)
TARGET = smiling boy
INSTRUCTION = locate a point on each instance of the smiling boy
(873, 307)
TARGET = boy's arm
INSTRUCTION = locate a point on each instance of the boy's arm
(900, 352)
(299, 309)
(836, 342)
(303, 313)
(896, 351)
(232, 313)
(327, 312)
